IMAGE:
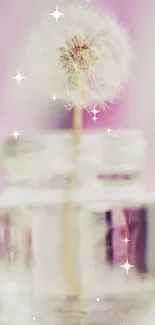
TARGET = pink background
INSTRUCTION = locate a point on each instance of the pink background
(136, 107)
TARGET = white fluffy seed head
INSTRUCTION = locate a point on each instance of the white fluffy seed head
(84, 58)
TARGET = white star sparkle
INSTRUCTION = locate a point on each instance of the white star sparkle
(127, 266)
(56, 14)
(54, 97)
(94, 118)
(15, 134)
(94, 111)
(109, 130)
(97, 299)
(19, 77)
(34, 318)
(126, 240)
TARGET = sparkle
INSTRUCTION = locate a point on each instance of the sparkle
(94, 118)
(15, 134)
(19, 77)
(109, 130)
(94, 111)
(127, 266)
(34, 318)
(54, 97)
(56, 14)
(126, 240)
(97, 299)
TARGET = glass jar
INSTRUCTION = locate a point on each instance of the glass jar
(58, 241)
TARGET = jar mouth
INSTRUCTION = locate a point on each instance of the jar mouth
(61, 179)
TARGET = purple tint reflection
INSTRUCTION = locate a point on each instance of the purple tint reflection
(137, 225)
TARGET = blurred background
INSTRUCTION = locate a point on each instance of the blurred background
(136, 108)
